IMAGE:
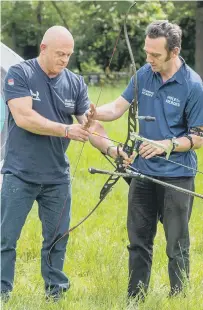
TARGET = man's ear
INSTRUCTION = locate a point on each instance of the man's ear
(42, 47)
(175, 52)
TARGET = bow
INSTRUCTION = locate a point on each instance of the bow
(129, 147)
(129, 144)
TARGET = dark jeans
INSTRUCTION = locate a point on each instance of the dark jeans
(54, 202)
(149, 203)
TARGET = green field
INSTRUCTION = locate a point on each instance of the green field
(97, 257)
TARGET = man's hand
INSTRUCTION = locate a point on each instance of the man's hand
(147, 150)
(113, 152)
(78, 132)
(91, 114)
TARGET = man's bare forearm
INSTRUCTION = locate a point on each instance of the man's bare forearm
(100, 141)
(107, 112)
(35, 123)
(113, 110)
(184, 144)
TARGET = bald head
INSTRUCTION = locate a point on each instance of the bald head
(55, 50)
(57, 34)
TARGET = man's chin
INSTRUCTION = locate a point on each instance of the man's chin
(154, 69)
(58, 70)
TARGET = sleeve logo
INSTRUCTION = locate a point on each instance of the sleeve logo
(11, 82)
(35, 96)
(69, 103)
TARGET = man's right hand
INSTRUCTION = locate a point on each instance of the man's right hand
(91, 114)
(78, 132)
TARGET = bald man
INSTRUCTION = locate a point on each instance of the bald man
(42, 96)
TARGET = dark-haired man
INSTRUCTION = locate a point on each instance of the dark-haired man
(172, 92)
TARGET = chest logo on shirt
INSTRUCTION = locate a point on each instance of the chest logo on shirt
(172, 100)
(69, 103)
(147, 92)
(35, 96)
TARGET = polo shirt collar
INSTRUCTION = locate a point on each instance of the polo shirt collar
(178, 76)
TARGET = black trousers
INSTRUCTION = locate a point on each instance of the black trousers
(149, 203)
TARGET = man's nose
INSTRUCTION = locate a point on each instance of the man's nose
(65, 59)
(149, 58)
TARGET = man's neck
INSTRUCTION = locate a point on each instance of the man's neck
(43, 67)
(173, 68)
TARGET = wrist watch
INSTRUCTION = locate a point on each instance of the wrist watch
(175, 143)
(108, 150)
(66, 132)
(191, 141)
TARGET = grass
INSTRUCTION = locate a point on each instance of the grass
(97, 258)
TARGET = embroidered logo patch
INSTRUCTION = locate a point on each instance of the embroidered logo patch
(35, 96)
(147, 92)
(172, 100)
(11, 82)
(69, 103)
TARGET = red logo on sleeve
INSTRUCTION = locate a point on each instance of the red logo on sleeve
(11, 82)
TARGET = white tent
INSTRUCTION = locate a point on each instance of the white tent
(8, 58)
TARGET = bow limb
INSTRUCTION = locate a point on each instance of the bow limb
(137, 174)
(129, 145)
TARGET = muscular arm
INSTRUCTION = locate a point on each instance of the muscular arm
(28, 119)
(25, 117)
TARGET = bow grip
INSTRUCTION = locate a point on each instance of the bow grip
(119, 160)
(127, 149)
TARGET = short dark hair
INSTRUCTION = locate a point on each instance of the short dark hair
(162, 28)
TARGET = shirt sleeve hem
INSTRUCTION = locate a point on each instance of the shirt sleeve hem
(16, 97)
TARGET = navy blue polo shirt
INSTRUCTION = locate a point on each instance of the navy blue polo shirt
(36, 158)
(177, 105)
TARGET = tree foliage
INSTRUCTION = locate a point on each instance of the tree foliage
(96, 26)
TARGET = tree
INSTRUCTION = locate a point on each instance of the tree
(199, 41)
(95, 26)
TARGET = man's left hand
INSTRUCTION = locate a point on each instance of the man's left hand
(113, 152)
(147, 150)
